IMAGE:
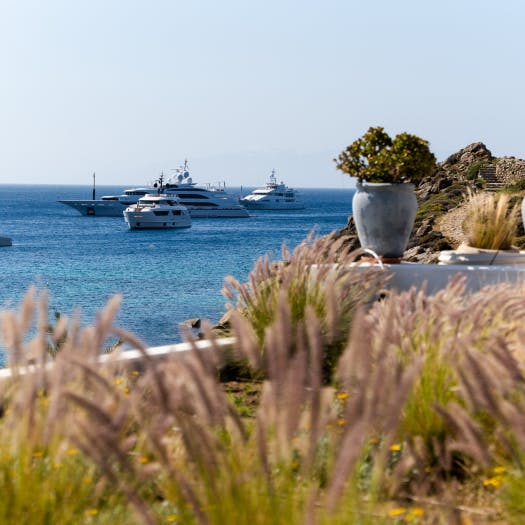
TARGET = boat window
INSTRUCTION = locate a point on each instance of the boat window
(176, 212)
(191, 196)
(160, 212)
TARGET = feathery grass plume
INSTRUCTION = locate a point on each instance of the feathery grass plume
(43, 477)
(215, 468)
(422, 380)
(490, 223)
(379, 385)
(444, 330)
(317, 275)
(492, 385)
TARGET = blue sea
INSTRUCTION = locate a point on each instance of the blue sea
(164, 277)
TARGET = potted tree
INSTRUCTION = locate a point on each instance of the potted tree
(384, 205)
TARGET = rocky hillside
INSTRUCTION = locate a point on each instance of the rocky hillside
(441, 195)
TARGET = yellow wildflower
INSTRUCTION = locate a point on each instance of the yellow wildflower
(118, 381)
(72, 452)
(91, 512)
(144, 459)
(398, 511)
(396, 447)
(493, 482)
(499, 470)
(38, 454)
(171, 518)
(417, 511)
(341, 421)
(343, 395)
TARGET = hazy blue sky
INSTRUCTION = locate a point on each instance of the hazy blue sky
(127, 88)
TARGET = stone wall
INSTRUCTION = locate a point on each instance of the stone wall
(510, 169)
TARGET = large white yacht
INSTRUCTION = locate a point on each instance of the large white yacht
(108, 205)
(207, 201)
(155, 211)
(274, 196)
(210, 201)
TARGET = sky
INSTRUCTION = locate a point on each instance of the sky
(131, 88)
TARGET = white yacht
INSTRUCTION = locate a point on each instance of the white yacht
(209, 201)
(202, 201)
(274, 196)
(157, 211)
(108, 205)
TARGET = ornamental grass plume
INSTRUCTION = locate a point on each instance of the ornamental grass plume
(428, 391)
(294, 462)
(456, 336)
(44, 477)
(319, 275)
(490, 222)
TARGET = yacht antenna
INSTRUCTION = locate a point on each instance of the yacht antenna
(93, 185)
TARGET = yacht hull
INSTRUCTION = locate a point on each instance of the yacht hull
(145, 221)
(138, 223)
(218, 213)
(97, 208)
(254, 205)
(116, 209)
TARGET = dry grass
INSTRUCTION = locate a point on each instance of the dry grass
(490, 223)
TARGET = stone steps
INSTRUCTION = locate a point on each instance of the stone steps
(488, 173)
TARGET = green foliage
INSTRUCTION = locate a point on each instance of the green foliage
(512, 490)
(473, 171)
(516, 186)
(54, 487)
(376, 157)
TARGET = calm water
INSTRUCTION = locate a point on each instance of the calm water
(164, 276)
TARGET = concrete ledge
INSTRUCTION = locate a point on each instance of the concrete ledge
(436, 277)
(133, 358)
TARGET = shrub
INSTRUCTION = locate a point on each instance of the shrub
(516, 186)
(473, 171)
(376, 157)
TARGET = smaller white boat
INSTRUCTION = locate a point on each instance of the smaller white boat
(155, 211)
(274, 196)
